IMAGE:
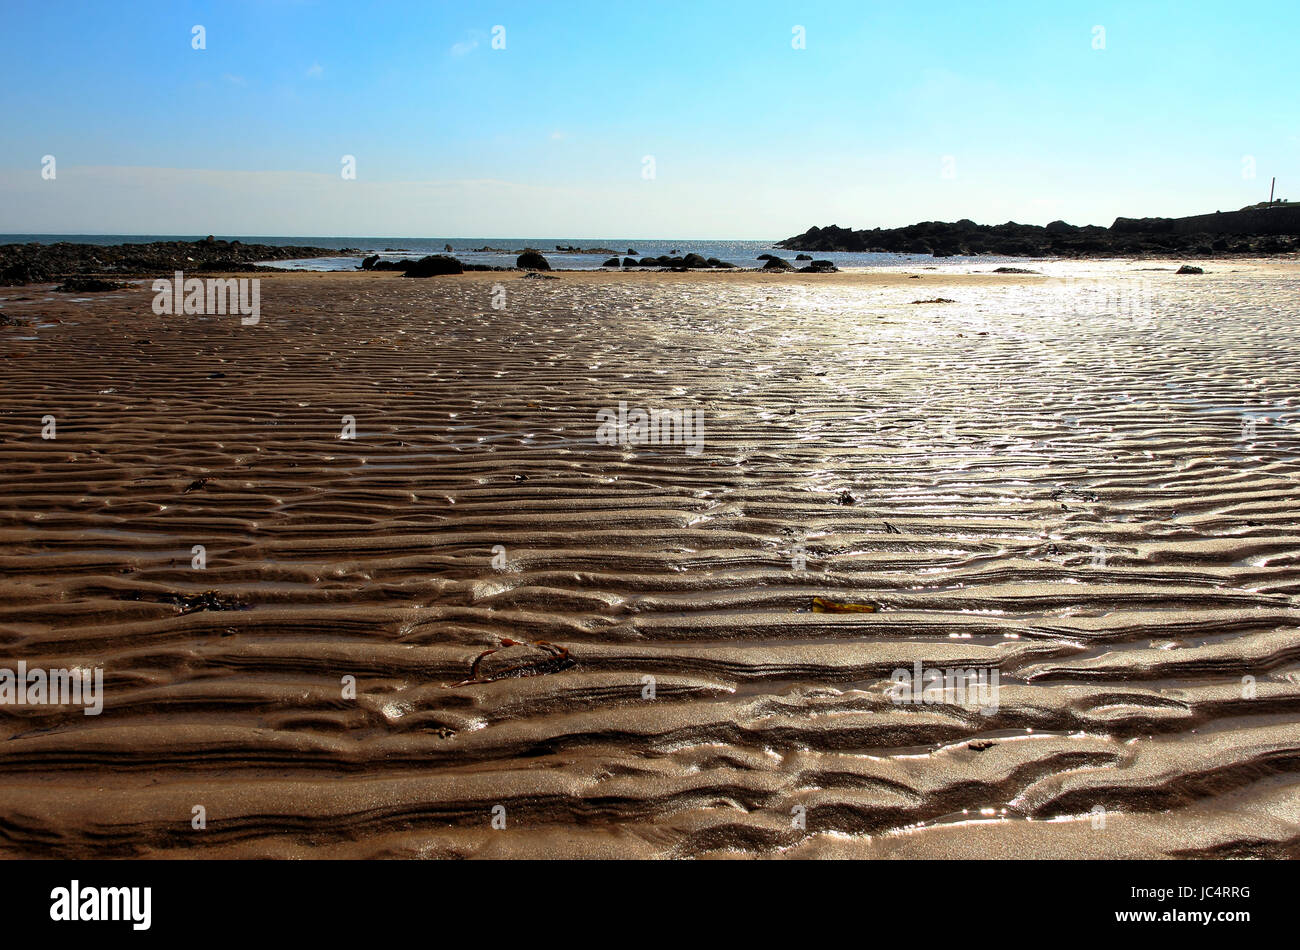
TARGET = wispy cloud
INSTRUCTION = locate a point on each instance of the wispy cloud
(468, 44)
(234, 80)
(315, 71)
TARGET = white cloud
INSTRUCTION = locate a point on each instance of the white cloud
(467, 45)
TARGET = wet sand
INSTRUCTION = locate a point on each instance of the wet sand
(1084, 479)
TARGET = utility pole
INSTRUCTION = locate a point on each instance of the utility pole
(1270, 189)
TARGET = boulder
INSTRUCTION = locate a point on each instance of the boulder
(370, 262)
(820, 267)
(612, 262)
(803, 257)
(532, 260)
(629, 262)
(1189, 269)
(776, 264)
(694, 260)
(434, 265)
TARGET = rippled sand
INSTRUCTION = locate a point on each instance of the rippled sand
(1084, 480)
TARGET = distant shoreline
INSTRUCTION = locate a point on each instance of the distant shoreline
(1258, 232)
(1249, 232)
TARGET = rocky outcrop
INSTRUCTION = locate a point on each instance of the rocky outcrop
(1254, 231)
(532, 260)
(42, 263)
(776, 264)
(435, 265)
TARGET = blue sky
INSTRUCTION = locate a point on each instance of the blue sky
(751, 138)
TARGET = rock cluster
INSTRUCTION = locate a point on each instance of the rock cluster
(676, 262)
(45, 263)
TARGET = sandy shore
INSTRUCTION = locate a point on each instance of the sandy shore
(1084, 480)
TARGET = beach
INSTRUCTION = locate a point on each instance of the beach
(364, 579)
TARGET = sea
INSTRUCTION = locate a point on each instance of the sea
(501, 252)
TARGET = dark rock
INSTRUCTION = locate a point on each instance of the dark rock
(767, 257)
(777, 264)
(434, 265)
(803, 257)
(370, 262)
(820, 267)
(22, 273)
(1189, 269)
(612, 262)
(532, 260)
(87, 285)
(629, 262)
(694, 260)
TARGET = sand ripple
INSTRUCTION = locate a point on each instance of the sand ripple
(1086, 483)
